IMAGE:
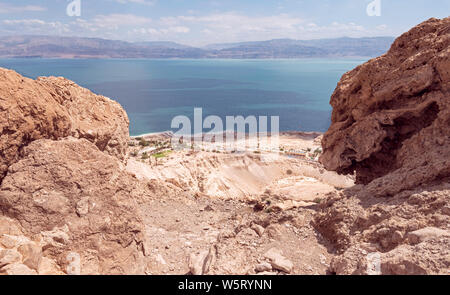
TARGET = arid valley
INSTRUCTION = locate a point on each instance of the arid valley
(79, 195)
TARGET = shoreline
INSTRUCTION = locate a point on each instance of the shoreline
(170, 133)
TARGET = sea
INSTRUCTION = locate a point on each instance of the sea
(154, 91)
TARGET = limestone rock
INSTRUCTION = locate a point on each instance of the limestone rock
(390, 125)
(429, 257)
(199, 264)
(278, 261)
(9, 257)
(425, 234)
(62, 180)
(262, 267)
(31, 255)
(9, 226)
(196, 263)
(49, 267)
(391, 115)
(83, 207)
(54, 108)
(258, 229)
(57, 237)
(42, 191)
(275, 231)
(9, 241)
(17, 269)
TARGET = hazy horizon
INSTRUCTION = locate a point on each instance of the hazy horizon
(198, 23)
(179, 43)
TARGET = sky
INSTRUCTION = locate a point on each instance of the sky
(202, 22)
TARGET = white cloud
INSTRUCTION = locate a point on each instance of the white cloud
(110, 26)
(179, 29)
(242, 22)
(24, 22)
(232, 26)
(193, 29)
(8, 8)
(107, 26)
(158, 34)
(33, 26)
(145, 2)
(117, 20)
(235, 27)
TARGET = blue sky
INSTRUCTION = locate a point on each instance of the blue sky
(201, 22)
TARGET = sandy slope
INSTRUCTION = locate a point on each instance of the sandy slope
(227, 210)
(244, 175)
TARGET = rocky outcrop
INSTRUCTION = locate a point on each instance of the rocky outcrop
(55, 108)
(78, 200)
(391, 125)
(20, 255)
(422, 259)
(391, 115)
(66, 203)
(358, 224)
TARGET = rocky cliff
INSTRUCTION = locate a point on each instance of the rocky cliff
(391, 126)
(391, 116)
(64, 193)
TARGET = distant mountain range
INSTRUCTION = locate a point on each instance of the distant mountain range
(73, 47)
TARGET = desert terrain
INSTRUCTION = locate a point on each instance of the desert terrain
(236, 207)
(78, 195)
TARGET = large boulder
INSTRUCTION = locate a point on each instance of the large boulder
(79, 202)
(66, 203)
(391, 115)
(54, 108)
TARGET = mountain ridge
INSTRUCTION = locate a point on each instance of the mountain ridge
(80, 47)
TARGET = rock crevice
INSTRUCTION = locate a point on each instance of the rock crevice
(391, 126)
(389, 112)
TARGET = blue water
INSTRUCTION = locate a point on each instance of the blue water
(154, 91)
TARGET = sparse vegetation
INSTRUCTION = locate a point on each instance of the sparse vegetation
(143, 142)
(161, 154)
(317, 152)
(269, 210)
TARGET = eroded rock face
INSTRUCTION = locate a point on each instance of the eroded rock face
(426, 258)
(391, 124)
(45, 190)
(54, 108)
(391, 115)
(352, 216)
(62, 180)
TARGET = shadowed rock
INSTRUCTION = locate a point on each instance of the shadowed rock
(391, 125)
(391, 115)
